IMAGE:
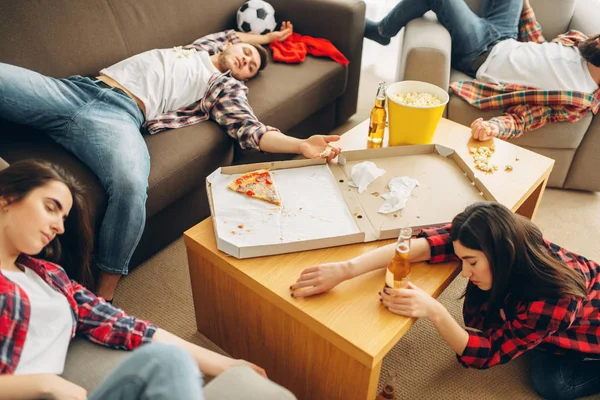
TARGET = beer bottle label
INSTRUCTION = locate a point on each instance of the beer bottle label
(389, 278)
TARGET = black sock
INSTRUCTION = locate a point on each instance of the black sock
(371, 32)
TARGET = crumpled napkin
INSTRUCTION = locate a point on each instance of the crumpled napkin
(400, 189)
(363, 174)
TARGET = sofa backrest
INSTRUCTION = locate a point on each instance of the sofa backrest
(66, 37)
(553, 15)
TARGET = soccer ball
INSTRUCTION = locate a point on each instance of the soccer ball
(256, 16)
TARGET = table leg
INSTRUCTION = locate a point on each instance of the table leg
(530, 206)
(246, 325)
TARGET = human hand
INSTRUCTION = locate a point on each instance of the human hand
(61, 389)
(283, 33)
(317, 146)
(320, 278)
(484, 130)
(410, 302)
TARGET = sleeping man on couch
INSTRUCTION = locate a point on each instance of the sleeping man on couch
(516, 70)
(99, 120)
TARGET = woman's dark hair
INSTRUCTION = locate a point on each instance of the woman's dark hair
(590, 50)
(520, 262)
(71, 250)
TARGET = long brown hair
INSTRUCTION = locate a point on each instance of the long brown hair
(520, 263)
(71, 250)
(590, 50)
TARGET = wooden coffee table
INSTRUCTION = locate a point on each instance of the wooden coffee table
(331, 346)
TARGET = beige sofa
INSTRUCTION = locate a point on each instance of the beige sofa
(425, 56)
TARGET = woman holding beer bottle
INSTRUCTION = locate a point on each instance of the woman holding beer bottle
(524, 293)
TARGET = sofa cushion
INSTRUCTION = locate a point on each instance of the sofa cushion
(59, 38)
(282, 102)
(586, 17)
(562, 135)
(181, 159)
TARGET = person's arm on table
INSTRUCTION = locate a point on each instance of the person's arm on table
(515, 122)
(324, 277)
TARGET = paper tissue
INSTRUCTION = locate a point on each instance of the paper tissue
(400, 189)
(363, 174)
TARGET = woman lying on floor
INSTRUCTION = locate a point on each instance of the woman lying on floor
(41, 309)
(524, 293)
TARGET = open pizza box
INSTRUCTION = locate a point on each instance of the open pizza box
(320, 209)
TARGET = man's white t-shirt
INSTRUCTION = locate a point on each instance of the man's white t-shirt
(164, 79)
(546, 66)
(50, 326)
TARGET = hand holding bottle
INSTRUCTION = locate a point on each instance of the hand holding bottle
(410, 302)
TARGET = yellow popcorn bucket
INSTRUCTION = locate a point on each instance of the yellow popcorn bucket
(413, 124)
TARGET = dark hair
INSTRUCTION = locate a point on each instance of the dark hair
(71, 250)
(520, 262)
(264, 56)
(590, 50)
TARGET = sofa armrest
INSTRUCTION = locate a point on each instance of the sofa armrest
(426, 52)
(586, 17)
(340, 21)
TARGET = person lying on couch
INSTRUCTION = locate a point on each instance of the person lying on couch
(41, 309)
(516, 70)
(99, 121)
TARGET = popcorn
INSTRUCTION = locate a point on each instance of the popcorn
(327, 152)
(482, 157)
(184, 53)
(417, 99)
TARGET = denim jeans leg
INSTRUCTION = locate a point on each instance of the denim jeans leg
(105, 135)
(468, 31)
(29, 98)
(504, 15)
(563, 376)
(155, 371)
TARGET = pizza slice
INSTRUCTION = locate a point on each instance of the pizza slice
(257, 184)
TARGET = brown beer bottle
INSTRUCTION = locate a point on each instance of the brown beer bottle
(398, 270)
(378, 118)
(389, 389)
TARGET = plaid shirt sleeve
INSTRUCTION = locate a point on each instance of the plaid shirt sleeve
(106, 325)
(529, 29)
(524, 118)
(440, 244)
(234, 114)
(533, 322)
(215, 42)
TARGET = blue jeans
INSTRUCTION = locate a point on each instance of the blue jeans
(155, 371)
(564, 376)
(102, 128)
(471, 32)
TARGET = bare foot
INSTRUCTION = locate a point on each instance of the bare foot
(107, 283)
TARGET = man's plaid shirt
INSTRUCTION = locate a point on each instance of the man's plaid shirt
(528, 108)
(556, 325)
(93, 318)
(225, 102)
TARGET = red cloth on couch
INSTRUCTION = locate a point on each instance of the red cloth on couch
(295, 47)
